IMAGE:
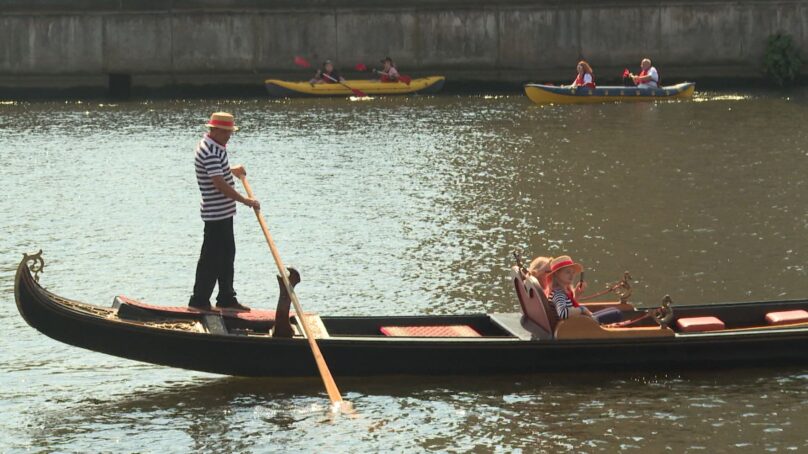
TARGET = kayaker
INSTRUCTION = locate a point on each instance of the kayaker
(585, 78)
(648, 76)
(540, 269)
(327, 74)
(215, 178)
(388, 73)
(562, 294)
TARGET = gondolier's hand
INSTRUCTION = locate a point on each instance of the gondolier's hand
(252, 203)
(238, 171)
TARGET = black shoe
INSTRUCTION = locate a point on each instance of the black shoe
(203, 306)
(232, 304)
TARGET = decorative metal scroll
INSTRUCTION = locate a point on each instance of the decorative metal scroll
(517, 255)
(35, 263)
(622, 288)
(664, 314)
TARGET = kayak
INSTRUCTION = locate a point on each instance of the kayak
(285, 89)
(249, 343)
(552, 94)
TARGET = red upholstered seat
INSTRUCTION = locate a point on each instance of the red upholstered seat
(697, 324)
(254, 315)
(787, 317)
(430, 331)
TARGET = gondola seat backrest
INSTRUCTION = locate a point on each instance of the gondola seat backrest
(549, 309)
(532, 299)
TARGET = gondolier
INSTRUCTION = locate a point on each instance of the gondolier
(214, 175)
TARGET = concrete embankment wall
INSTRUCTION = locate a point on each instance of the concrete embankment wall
(70, 43)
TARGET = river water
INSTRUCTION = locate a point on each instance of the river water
(406, 206)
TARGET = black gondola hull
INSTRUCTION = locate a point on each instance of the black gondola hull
(264, 356)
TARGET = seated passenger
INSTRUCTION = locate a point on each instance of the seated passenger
(585, 76)
(540, 269)
(388, 73)
(562, 295)
(327, 75)
(648, 76)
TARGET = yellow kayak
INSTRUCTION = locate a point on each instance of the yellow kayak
(552, 94)
(283, 88)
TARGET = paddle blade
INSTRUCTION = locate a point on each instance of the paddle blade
(625, 73)
(361, 67)
(405, 79)
(302, 62)
(358, 93)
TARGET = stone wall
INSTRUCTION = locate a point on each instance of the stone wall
(64, 43)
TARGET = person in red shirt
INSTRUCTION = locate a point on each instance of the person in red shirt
(388, 73)
(585, 78)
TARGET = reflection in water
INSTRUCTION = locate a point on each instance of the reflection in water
(553, 412)
(405, 206)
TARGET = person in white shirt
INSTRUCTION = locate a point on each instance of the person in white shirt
(648, 76)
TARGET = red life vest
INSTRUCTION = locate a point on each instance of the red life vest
(579, 81)
(644, 72)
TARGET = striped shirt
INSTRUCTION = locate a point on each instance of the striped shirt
(210, 161)
(562, 303)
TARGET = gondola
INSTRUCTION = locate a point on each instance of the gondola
(288, 89)
(269, 344)
(552, 94)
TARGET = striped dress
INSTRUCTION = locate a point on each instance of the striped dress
(210, 161)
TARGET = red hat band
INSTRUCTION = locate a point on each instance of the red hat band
(228, 124)
(558, 265)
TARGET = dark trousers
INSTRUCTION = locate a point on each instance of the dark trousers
(215, 264)
(608, 315)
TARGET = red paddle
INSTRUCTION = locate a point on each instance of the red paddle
(303, 63)
(356, 92)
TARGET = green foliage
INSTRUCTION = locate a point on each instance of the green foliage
(781, 62)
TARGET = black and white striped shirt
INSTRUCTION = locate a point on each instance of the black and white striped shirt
(210, 161)
(562, 303)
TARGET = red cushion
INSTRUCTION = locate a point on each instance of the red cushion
(430, 331)
(253, 315)
(696, 324)
(786, 317)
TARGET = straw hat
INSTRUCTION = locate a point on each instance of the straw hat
(564, 261)
(222, 120)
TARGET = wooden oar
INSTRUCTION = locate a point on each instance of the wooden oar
(328, 380)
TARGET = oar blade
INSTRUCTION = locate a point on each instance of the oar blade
(358, 93)
(302, 62)
(405, 79)
(361, 67)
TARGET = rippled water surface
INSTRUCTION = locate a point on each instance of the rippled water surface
(406, 206)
